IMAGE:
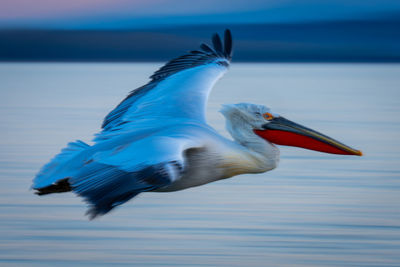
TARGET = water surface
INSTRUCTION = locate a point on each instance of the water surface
(314, 210)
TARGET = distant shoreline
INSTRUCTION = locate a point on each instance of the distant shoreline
(361, 41)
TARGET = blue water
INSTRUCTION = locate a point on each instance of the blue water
(314, 210)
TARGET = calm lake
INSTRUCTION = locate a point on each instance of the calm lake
(315, 209)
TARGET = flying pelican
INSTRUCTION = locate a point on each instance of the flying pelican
(157, 138)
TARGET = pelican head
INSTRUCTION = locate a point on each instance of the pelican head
(249, 122)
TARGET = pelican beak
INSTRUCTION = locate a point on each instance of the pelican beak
(281, 131)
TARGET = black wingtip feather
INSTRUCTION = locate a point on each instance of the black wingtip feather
(217, 43)
(60, 187)
(228, 44)
(206, 48)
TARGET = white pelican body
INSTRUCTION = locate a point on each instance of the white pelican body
(157, 138)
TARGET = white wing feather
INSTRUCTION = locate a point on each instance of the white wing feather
(183, 95)
(178, 91)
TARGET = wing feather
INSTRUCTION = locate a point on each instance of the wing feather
(114, 176)
(179, 88)
(228, 44)
(208, 49)
(217, 44)
(105, 187)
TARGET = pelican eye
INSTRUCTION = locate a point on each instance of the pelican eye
(268, 116)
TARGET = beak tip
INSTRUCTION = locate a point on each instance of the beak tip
(359, 153)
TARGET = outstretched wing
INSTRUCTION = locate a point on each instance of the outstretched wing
(179, 89)
(111, 177)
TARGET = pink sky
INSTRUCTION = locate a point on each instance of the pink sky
(36, 9)
(25, 9)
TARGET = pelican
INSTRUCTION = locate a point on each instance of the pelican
(157, 139)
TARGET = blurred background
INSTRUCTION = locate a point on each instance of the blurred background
(330, 65)
(154, 30)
